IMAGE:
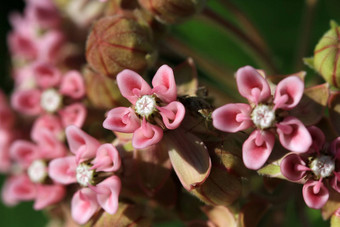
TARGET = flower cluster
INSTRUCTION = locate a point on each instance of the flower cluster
(318, 167)
(267, 113)
(153, 110)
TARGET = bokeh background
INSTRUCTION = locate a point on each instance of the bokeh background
(290, 28)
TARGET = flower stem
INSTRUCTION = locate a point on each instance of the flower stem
(261, 55)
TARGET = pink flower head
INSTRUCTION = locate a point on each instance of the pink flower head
(266, 113)
(90, 167)
(48, 94)
(318, 168)
(32, 182)
(154, 109)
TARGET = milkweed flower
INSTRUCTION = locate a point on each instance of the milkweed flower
(266, 113)
(318, 169)
(153, 109)
(92, 167)
(29, 178)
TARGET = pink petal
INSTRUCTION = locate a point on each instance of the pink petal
(27, 101)
(132, 86)
(44, 13)
(107, 159)
(50, 45)
(335, 182)
(293, 135)
(147, 135)
(83, 205)
(252, 85)
(335, 148)
(24, 152)
(122, 119)
(20, 188)
(318, 139)
(288, 93)
(74, 114)
(7, 195)
(46, 75)
(22, 46)
(63, 170)
(47, 122)
(49, 146)
(73, 85)
(293, 167)
(232, 117)
(48, 195)
(164, 85)
(108, 193)
(172, 114)
(315, 194)
(257, 148)
(6, 138)
(81, 144)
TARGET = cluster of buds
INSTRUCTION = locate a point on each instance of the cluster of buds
(85, 130)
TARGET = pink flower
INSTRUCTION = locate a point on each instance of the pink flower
(318, 168)
(50, 90)
(32, 183)
(267, 114)
(154, 109)
(91, 167)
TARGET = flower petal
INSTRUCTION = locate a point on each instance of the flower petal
(232, 117)
(19, 188)
(147, 135)
(47, 122)
(81, 144)
(318, 139)
(164, 85)
(132, 86)
(107, 159)
(293, 167)
(63, 170)
(27, 101)
(293, 135)
(335, 182)
(46, 75)
(122, 119)
(172, 114)
(315, 194)
(288, 93)
(83, 205)
(257, 148)
(335, 148)
(252, 85)
(48, 195)
(49, 146)
(74, 114)
(108, 192)
(24, 152)
(72, 85)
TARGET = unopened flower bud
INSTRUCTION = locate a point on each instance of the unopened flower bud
(172, 11)
(327, 56)
(120, 42)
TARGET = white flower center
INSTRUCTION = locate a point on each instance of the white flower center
(145, 106)
(323, 166)
(37, 171)
(50, 100)
(263, 116)
(84, 174)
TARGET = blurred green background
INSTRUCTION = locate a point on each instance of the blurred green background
(290, 29)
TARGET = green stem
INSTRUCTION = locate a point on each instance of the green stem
(261, 55)
(248, 26)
